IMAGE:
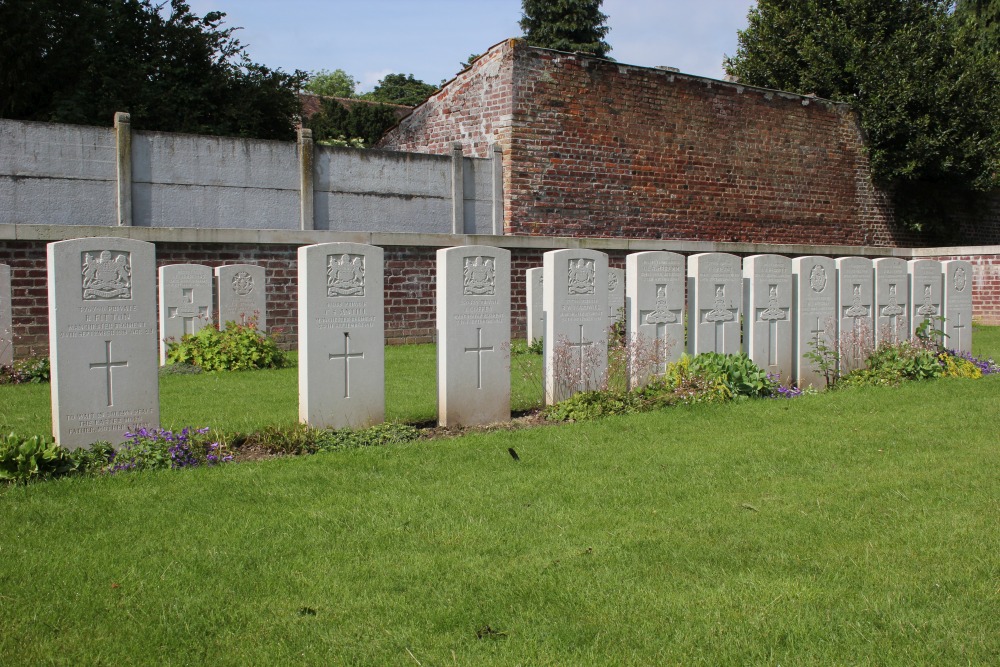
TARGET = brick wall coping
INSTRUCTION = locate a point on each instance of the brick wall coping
(24, 232)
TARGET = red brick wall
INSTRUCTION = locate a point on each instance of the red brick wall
(600, 149)
(985, 286)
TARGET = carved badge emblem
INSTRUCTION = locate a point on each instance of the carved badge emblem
(479, 276)
(720, 313)
(582, 274)
(892, 309)
(960, 279)
(660, 315)
(772, 312)
(107, 276)
(817, 278)
(928, 309)
(345, 275)
(857, 308)
(612, 281)
(242, 283)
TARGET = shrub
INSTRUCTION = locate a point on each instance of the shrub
(35, 370)
(156, 449)
(740, 375)
(35, 458)
(238, 347)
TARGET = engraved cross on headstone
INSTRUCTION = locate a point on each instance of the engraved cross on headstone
(478, 350)
(661, 316)
(858, 312)
(719, 315)
(187, 311)
(771, 315)
(579, 347)
(108, 366)
(816, 333)
(893, 310)
(959, 333)
(347, 356)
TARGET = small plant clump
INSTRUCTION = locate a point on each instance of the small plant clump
(34, 370)
(158, 449)
(238, 347)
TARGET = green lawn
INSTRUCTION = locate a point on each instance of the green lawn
(853, 527)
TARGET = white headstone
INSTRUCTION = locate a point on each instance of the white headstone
(715, 302)
(958, 305)
(473, 327)
(855, 305)
(814, 287)
(185, 302)
(926, 284)
(616, 295)
(533, 303)
(102, 339)
(892, 300)
(654, 308)
(767, 321)
(576, 330)
(240, 290)
(341, 335)
(6, 320)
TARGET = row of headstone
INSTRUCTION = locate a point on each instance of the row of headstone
(102, 306)
(777, 310)
(6, 319)
(186, 298)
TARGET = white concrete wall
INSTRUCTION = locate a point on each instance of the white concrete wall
(57, 174)
(53, 174)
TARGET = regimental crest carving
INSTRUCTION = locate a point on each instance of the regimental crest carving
(612, 280)
(892, 309)
(928, 309)
(345, 275)
(107, 275)
(772, 312)
(720, 313)
(961, 280)
(660, 315)
(817, 278)
(479, 276)
(242, 283)
(857, 309)
(582, 275)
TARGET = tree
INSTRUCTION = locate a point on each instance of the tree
(566, 25)
(79, 61)
(361, 123)
(400, 89)
(926, 94)
(337, 83)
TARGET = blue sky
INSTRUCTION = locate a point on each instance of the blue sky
(430, 38)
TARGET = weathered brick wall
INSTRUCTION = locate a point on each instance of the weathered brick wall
(985, 285)
(601, 149)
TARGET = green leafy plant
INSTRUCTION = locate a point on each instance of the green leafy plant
(35, 370)
(737, 372)
(157, 449)
(35, 458)
(237, 347)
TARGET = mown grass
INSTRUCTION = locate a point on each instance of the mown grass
(249, 401)
(855, 527)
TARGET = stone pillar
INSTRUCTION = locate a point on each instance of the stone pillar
(123, 144)
(496, 154)
(457, 189)
(306, 213)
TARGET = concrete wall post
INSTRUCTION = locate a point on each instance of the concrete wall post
(496, 156)
(307, 219)
(123, 154)
(457, 189)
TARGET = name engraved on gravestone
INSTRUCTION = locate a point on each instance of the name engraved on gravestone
(341, 335)
(6, 318)
(616, 295)
(102, 339)
(533, 302)
(185, 302)
(767, 337)
(855, 298)
(958, 305)
(576, 340)
(715, 302)
(240, 289)
(926, 284)
(814, 324)
(654, 286)
(891, 300)
(473, 326)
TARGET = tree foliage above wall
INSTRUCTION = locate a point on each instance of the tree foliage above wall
(80, 61)
(400, 89)
(566, 25)
(337, 83)
(338, 124)
(920, 74)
